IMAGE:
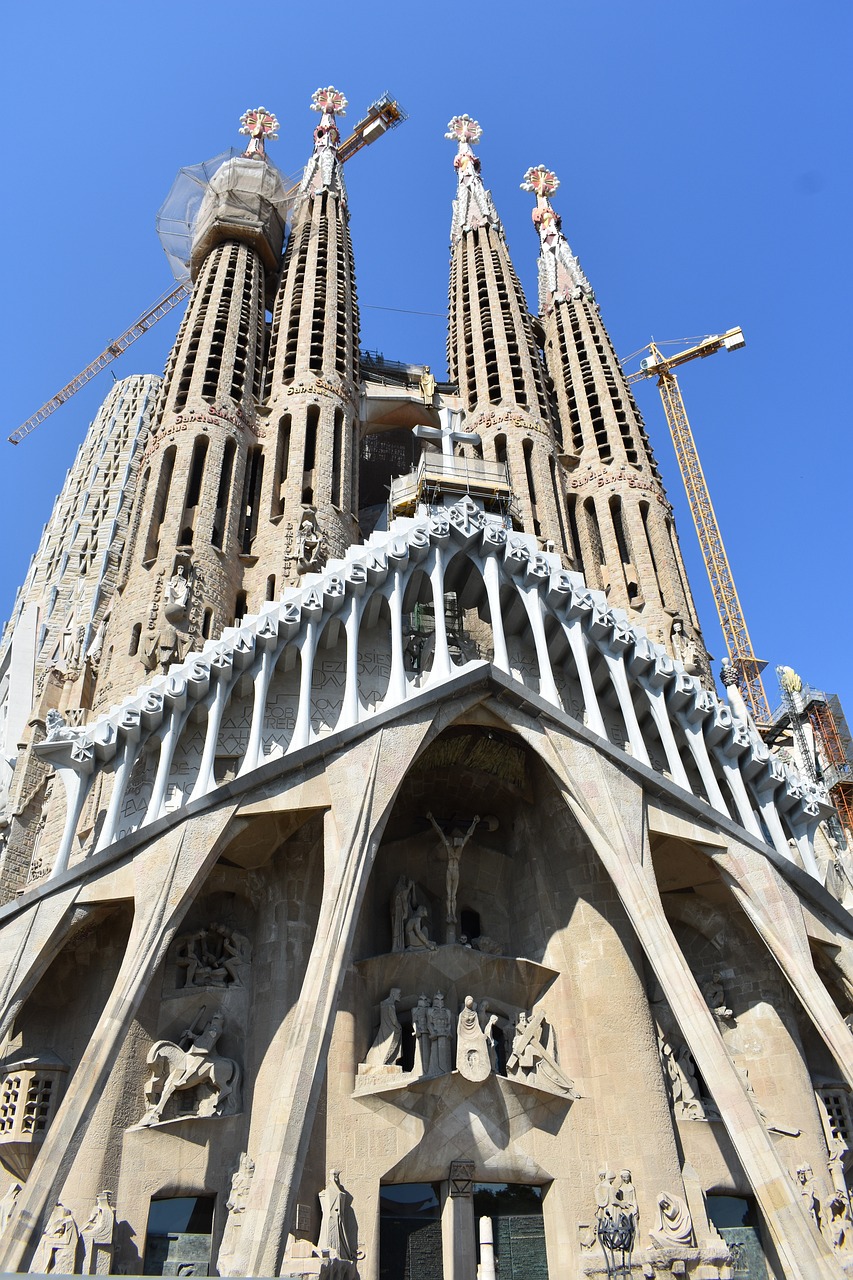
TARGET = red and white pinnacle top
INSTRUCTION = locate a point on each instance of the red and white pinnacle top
(561, 277)
(323, 171)
(261, 126)
(473, 206)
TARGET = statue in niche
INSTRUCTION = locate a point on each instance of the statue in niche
(440, 1021)
(8, 1205)
(57, 1250)
(453, 845)
(164, 648)
(417, 937)
(337, 1230)
(489, 1021)
(715, 998)
(310, 546)
(473, 1059)
(674, 1224)
(685, 649)
(532, 1061)
(420, 1025)
(176, 596)
(402, 906)
(386, 1047)
(213, 957)
(97, 1235)
(189, 1065)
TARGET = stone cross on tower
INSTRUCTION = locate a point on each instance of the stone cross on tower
(447, 433)
(260, 125)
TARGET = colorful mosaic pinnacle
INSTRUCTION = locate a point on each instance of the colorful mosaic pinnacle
(463, 129)
(261, 126)
(329, 100)
(541, 181)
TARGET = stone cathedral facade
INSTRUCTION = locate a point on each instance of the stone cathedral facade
(387, 893)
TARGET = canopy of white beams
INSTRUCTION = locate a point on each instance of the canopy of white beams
(340, 649)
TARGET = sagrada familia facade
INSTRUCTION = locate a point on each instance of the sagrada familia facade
(387, 892)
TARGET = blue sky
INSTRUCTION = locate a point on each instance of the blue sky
(704, 160)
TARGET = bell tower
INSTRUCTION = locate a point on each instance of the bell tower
(621, 520)
(493, 355)
(312, 383)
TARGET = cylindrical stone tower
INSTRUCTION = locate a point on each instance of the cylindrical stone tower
(492, 353)
(621, 521)
(311, 489)
(196, 508)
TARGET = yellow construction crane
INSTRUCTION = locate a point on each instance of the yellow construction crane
(383, 114)
(732, 620)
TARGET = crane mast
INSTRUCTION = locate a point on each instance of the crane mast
(719, 571)
(383, 114)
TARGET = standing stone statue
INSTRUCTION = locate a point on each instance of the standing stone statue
(402, 905)
(473, 1059)
(427, 386)
(57, 1250)
(97, 1235)
(440, 1036)
(386, 1047)
(420, 1024)
(674, 1224)
(241, 1182)
(453, 847)
(7, 1205)
(625, 1196)
(336, 1229)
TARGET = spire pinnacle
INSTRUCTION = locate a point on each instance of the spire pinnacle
(323, 171)
(261, 126)
(561, 277)
(473, 205)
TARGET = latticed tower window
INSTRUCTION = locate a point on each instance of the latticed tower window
(9, 1098)
(837, 1113)
(37, 1109)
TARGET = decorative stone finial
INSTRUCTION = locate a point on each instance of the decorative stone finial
(541, 181)
(463, 129)
(261, 126)
(323, 171)
(561, 278)
(729, 674)
(473, 205)
(330, 101)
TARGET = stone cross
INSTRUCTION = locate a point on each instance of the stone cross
(447, 433)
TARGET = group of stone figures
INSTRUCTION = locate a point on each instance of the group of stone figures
(212, 957)
(829, 1206)
(482, 1040)
(59, 1249)
(617, 1216)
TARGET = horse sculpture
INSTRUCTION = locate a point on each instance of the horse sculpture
(177, 1069)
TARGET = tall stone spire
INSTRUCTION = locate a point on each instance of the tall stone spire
(182, 578)
(493, 355)
(621, 521)
(312, 396)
